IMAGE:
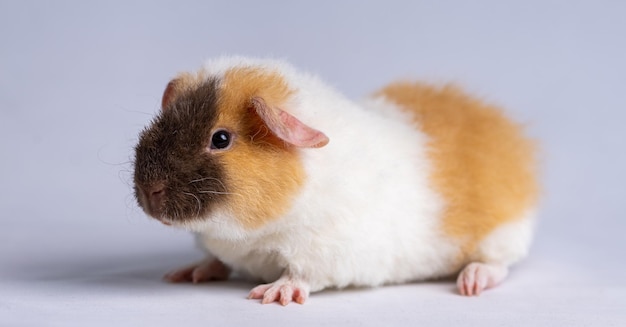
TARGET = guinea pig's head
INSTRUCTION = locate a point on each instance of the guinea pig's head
(224, 144)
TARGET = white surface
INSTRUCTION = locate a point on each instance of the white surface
(79, 80)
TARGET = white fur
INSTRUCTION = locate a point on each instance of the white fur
(366, 215)
(508, 243)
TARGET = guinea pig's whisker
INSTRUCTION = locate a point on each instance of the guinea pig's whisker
(197, 200)
(265, 132)
(214, 192)
(217, 192)
(203, 179)
(208, 178)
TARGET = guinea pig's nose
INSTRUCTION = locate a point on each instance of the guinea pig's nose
(155, 195)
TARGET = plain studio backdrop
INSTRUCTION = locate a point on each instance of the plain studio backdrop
(80, 79)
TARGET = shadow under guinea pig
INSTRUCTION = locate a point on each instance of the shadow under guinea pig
(141, 271)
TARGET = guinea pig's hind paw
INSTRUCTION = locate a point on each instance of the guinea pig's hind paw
(203, 271)
(476, 277)
(282, 291)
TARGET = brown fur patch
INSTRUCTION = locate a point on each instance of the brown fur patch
(172, 154)
(483, 165)
(263, 171)
(180, 85)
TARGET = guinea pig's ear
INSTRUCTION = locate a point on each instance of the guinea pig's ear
(170, 93)
(287, 127)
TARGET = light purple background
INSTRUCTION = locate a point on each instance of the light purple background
(79, 80)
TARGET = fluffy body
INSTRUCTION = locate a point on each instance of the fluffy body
(369, 208)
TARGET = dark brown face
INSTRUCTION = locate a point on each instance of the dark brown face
(176, 177)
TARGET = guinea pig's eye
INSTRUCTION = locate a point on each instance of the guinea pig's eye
(220, 140)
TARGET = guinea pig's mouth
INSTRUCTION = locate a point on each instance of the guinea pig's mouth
(155, 212)
(164, 221)
(171, 208)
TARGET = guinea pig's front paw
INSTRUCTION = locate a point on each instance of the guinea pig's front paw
(203, 271)
(283, 291)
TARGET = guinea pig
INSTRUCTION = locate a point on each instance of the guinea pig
(285, 181)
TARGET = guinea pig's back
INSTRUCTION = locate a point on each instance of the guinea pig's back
(483, 168)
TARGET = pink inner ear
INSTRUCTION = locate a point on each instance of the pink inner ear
(300, 134)
(288, 127)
